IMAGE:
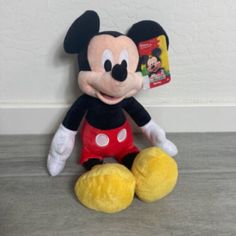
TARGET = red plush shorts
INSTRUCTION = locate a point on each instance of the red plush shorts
(99, 144)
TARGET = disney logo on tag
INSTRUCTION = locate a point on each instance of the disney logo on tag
(145, 46)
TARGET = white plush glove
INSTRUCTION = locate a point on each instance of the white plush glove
(157, 137)
(60, 150)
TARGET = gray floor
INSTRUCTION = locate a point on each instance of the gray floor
(203, 203)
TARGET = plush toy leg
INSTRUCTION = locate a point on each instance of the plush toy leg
(88, 165)
(107, 188)
(156, 174)
(129, 159)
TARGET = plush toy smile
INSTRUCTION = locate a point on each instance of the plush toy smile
(103, 86)
(106, 96)
(109, 77)
(108, 99)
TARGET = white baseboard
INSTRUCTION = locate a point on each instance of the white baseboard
(44, 119)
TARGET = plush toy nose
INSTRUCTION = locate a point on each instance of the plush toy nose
(119, 72)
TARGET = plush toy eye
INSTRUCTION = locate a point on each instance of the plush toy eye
(107, 65)
(124, 58)
(124, 63)
(107, 59)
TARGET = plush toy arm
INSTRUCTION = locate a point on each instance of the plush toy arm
(152, 130)
(60, 150)
(64, 139)
(157, 137)
(76, 113)
(136, 111)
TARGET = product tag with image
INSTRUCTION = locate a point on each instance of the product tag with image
(154, 62)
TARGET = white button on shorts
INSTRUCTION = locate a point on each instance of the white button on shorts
(102, 140)
(122, 135)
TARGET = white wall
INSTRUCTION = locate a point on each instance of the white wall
(38, 80)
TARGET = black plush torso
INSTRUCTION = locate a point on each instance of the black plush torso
(104, 116)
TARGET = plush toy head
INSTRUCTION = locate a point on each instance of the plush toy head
(108, 61)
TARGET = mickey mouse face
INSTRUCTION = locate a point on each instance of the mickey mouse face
(113, 62)
(153, 64)
(108, 60)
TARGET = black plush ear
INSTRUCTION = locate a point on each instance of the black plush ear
(145, 30)
(81, 31)
(156, 52)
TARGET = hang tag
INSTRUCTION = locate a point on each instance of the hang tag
(154, 62)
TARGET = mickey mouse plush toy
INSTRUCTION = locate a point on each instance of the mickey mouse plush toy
(109, 77)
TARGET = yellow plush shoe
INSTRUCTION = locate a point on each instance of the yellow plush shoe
(156, 174)
(107, 188)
